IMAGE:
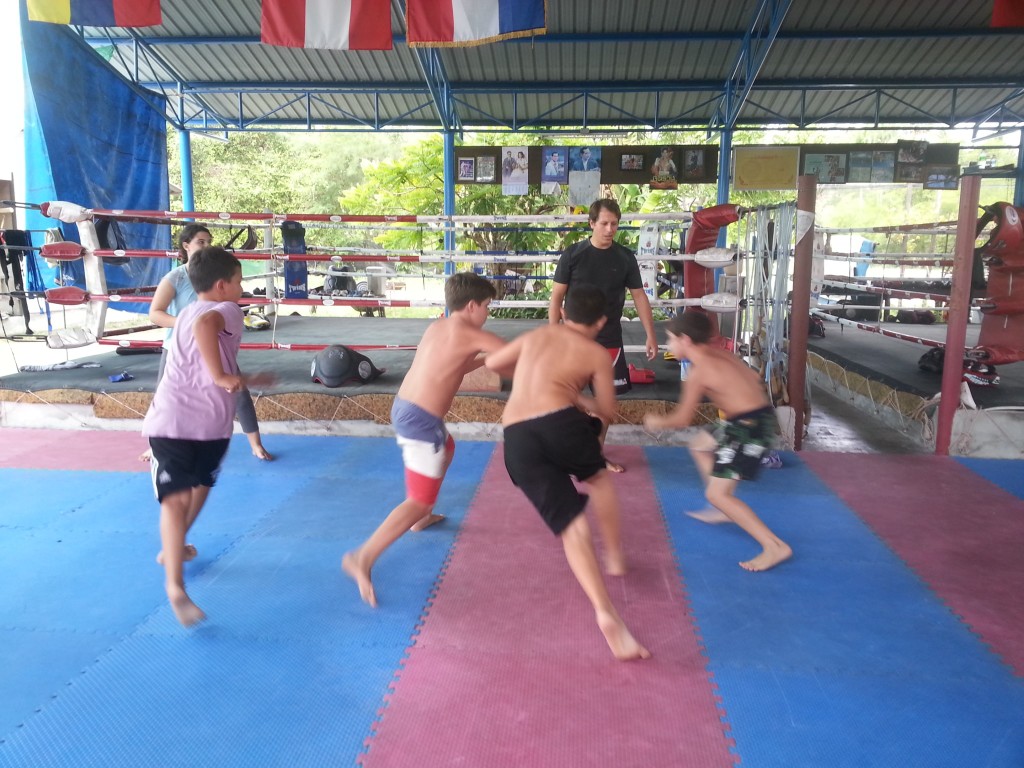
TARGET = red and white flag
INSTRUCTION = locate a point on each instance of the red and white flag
(1008, 13)
(472, 22)
(343, 25)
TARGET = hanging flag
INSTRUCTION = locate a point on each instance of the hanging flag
(97, 13)
(342, 25)
(472, 22)
(1008, 13)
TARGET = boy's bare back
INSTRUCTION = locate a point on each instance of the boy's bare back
(448, 350)
(553, 364)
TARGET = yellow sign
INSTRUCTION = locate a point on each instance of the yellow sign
(765, 167)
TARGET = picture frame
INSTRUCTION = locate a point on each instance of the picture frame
(485, 166)
(858, 170)
(585, 158)
(467, 169)
(910, 173)
(911, 152)
(663, 168)
(554, 164)
(631, 162)
(883, 167)
(941, 177)
(828, 167)
(694, 164)
(771, 167)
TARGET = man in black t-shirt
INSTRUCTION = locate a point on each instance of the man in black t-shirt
(601, 261)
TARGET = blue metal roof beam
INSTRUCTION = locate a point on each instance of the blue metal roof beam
(598, 87)
(151, 56)
(440, 87)
(754, 49)
(437, 80)
(667, 124)
(629, 37)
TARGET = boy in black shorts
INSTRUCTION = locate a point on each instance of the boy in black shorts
(550, 437)
(744, 433)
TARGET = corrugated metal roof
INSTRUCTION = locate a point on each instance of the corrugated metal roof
(648, 63)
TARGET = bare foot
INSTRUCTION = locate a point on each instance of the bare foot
(426, 521)
(623, 645)
(188, 613)
(262, 453)
(611, 466)
(146, 455)
(350, 564)
(711, 516)
(771, 556)
(615, 565)
(189, 553)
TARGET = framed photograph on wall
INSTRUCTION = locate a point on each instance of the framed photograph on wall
(829, 167)
(693, 164)
(664, 171)
(883, 167)
(941, 177)
(484, 169)
(631, 162)
(585, 159)
(467, 169)
(911, 151)
(554, 165)
(909, 173)
(859, 169)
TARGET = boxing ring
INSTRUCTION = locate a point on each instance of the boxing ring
(285, 284)
(746, 286)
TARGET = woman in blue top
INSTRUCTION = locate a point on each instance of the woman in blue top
(173, 294)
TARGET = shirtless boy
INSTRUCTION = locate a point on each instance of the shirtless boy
(450, 348)
(743, 435)
(549, 437)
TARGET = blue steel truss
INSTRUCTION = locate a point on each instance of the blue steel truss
(437, 103)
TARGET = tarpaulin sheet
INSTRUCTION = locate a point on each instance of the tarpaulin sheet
(93, 139)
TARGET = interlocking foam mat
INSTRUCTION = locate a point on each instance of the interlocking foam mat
(890, 638)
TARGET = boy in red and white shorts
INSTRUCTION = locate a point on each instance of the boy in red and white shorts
(451, 347)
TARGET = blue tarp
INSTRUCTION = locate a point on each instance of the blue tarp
(93, 139)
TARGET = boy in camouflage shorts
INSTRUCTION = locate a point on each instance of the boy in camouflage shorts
(743, 435)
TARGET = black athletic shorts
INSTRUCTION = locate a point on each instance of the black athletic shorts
(178, 465)
(542, 453)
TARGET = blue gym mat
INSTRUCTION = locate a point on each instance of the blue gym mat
(1006, 473)
(841, 656)
(290, 669)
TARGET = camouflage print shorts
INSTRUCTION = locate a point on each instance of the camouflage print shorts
(742, 441)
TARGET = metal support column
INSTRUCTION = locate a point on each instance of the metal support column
(724, 163)
(449, 195)
(188, 196)
(1018, 185)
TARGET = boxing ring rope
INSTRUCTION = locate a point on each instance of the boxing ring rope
(97, 296)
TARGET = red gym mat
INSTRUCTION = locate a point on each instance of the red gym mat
(969, 552)
(102, 451)
(510, 654)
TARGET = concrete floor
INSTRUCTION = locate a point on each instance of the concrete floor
(839, 427)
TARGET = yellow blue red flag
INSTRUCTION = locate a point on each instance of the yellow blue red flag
(96, 13)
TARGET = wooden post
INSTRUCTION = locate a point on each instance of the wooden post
(800, 308)
(959, 311)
